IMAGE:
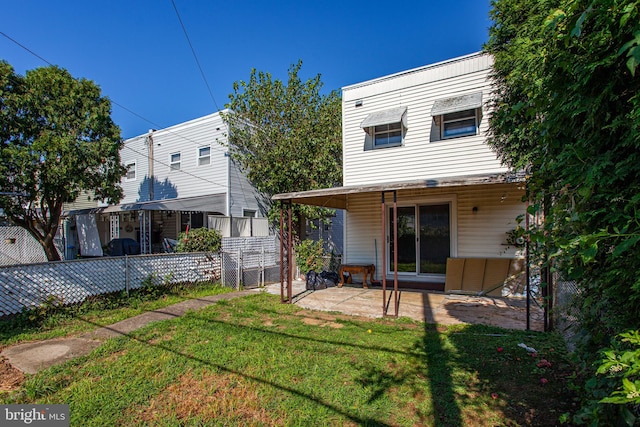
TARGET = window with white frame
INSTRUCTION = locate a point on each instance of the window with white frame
(174, 161)
(457, 116)
(385, 128)
(388, 135)
(460, 123)
(204, 156)
(131, 171)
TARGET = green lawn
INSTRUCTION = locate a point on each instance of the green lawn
(52, 321)
(255, 361)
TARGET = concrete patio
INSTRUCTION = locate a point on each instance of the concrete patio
(425, 306)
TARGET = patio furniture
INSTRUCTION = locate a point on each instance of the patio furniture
(351, 269)
(484, 276)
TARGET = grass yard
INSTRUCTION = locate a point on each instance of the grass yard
(254, 361)
(51, 321)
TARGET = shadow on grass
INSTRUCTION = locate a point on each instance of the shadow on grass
(438, 369)
(348, 415)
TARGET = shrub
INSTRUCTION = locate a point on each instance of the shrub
(199, 240)
(309, 255)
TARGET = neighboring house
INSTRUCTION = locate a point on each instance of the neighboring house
(330, 230)
(177, 178)
(417, 139)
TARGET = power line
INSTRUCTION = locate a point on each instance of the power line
(27, 49)
(184, 29)
(156, 125)
(131, 112)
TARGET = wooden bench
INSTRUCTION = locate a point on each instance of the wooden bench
(364, 269)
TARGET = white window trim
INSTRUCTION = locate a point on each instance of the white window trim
(373, 134)
(443, 121)
(128, 165)
(200, 157)
(172, 163)
(452, 200)
(254, 211)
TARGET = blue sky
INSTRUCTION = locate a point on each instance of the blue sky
(137, 52)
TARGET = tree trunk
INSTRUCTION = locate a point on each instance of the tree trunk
(50, 250)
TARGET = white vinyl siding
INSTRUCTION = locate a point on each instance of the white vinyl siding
(186, 139)
(242, 195)
(138, 189)
(418, 157)
(479, 234)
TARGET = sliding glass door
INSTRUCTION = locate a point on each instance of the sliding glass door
(424, 238)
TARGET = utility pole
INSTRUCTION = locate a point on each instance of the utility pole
(150, 159)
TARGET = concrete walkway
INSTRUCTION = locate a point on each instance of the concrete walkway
(34, 356)
(426, 306)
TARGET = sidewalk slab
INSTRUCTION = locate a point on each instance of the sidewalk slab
(33, 357)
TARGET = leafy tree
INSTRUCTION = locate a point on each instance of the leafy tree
(58, 139)
(567, 109)
(287, 137)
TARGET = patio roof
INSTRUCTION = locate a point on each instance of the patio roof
(336, 197)
(207, 203)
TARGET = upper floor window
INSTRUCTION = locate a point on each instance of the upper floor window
(204, 156)
(457, 116)
(385, 128)
(174, 162)
(387, 135)
(131, 171)
(461, 123)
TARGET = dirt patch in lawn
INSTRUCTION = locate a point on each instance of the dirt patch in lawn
(321, 319)
(218, 397)
(10, 377)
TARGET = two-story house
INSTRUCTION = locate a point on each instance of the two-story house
(421, 186)
(177, 178)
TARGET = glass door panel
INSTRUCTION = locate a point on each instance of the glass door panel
(406, 239)
(435, 238)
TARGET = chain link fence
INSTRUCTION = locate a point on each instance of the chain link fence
(242, 262)
(17, 246)
(566, 303)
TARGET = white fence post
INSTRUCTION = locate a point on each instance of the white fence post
(126, 273)
(239, 272)
(222, 269)
(262, 266)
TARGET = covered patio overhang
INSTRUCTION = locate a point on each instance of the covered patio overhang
(338, 198)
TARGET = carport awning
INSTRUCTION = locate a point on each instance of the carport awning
(336, 197)
(457, 103)
(208, 203)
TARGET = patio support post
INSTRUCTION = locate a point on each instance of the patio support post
(395, 251)
(384, 260)
(289, 253)
(281, 253)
